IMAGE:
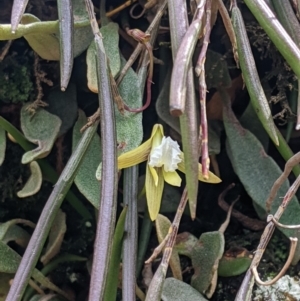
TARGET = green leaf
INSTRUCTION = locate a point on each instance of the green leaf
(205, 260)
(115, 259)
(83, 36)
(176, 290)
(185, 243)
(162, 228)
(85, 179)
(234, 264)
(129, 126)
(110, 36)
(250, 121)
(63, 105)
(46, 45)
(2, 145)
(257, 171)
(42, 129)
(16, 234)
(56, 236)
(9, 262)
(34, 183)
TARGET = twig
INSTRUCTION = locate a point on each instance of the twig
(119, 8)
(200, 71)
(293, 161)
(247, 284)
(139, 47)
(143, 38)
(250, 223)
(5, 49)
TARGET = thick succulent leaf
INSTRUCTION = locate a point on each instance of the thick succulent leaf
(56, 236)
(176, 290)
(63, 105)
(16, 234)
(34, 183)
(2, 145)
(250, 121)
(234, 263)
(46, 45)
(83, 36)
(85, 179)
(163, 225)
(110, 36)
(258, 172)
(10, 260)
(185, 243)
(17, 12)
(4, 227)
(66, 39)
(42, 129)
(205, 260)
(129, 126)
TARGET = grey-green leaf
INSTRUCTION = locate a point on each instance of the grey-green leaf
(110, 36)
(64, 105)
(46, 45)
(129, 126)
(176, 290)
(83, 36)
(34, 183)
(85, 179)
(205, 260)
(42, 129)
(257, 171)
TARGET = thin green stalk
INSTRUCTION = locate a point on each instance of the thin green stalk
(130, 240)
(250, 75)
(276, 33)
(47, 169)
(39, 236)
(109, 183)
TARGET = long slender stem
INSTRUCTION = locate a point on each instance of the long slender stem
(48, 214)
(109, 183)
(130, 239)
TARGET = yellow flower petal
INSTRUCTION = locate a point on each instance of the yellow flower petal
(153, 192)
(157, 135)
(153, 174)
(212, 178)
(135, 156)
(172, 177)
